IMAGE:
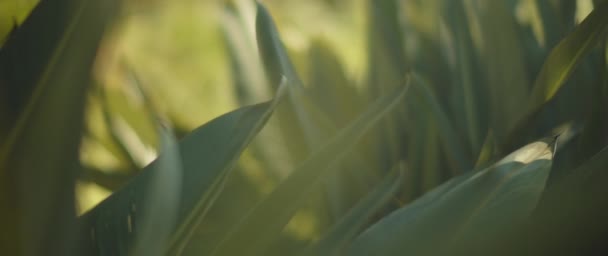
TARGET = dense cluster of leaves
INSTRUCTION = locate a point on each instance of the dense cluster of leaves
(478, 134)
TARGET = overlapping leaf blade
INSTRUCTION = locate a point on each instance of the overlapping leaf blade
(161, 204)
(464, 212)
(347, 227)
(558, 67)
(207, 156)
(276, 210)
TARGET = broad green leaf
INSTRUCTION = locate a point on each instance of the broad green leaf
(44, 73)
(560, 64)
(465, 212)
(570, 217)
(207, 156)
(347, 227)
(264, 223)
(160, 207)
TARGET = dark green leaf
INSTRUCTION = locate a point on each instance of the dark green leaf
(559, 65)
(44, 73)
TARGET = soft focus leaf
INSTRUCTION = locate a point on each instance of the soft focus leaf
(160, 207)
(272, 51)
(424, 99)
(347, 228)
(385, 44)
(570, 217)
(465, 212)
(271, 214)
(504, 65)
(44, 73)
(207, 156)
(560, 64)
(247, 74)
(467, 100)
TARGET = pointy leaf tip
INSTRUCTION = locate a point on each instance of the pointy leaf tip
(274, 56)
(534, 151)
(281, 91)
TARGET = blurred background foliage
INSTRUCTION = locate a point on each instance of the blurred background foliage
(177, 51)
(475, 97)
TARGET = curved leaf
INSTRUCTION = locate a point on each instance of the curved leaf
(207, 156)
(272, 51)
(566, 55)
(275, 211)
(162, 199)
(558, 67)
(464, 212)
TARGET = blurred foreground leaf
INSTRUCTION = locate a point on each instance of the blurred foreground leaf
(44, 74)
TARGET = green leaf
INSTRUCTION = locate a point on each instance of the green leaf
(274, 212)
(44, 73)
(247, 74)
(160, 207)
(330, 87)
(357, 217)
(385, 50)
(207, 156)
(305, 125)
(272, 51)
(560, 64)
(465, 212)
(296, 123)
(570, 219)
(566, 55)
